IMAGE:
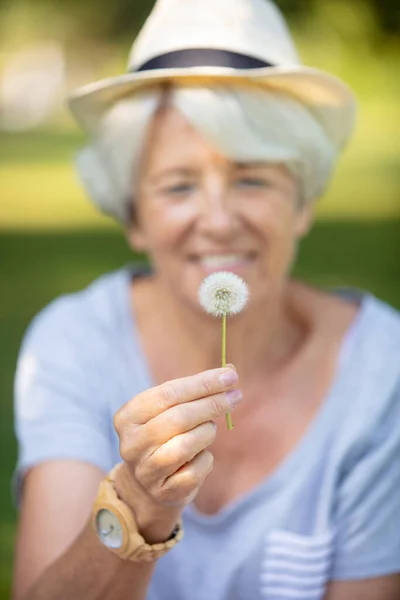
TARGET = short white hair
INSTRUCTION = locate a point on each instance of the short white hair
(243, 124)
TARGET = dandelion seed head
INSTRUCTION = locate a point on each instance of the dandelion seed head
(223, 293)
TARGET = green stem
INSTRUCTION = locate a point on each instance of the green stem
(224, 341)
(228, 418)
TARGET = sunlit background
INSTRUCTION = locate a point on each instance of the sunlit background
(51, 239)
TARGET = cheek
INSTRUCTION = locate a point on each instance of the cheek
(276, 219)
(164, 224)
(276, 223)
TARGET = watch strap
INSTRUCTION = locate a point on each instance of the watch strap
(134, 547)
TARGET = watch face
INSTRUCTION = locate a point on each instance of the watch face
(109, 529)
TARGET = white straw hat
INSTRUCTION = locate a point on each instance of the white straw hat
(195, 42)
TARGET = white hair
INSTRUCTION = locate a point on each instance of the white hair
(244, 124)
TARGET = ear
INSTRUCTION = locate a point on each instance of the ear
(304, 218)
(136, 238)
(134, 232)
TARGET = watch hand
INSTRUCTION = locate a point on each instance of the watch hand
(106, 532)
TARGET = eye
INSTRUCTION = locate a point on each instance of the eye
(252, 182)
(179, 189)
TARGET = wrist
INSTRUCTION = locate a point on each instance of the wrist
(155, 523)
(118, 529)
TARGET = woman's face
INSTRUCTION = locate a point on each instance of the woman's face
(198, 212)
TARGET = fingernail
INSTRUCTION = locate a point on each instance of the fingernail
(234, 397)
(231, 366)
(229, 377)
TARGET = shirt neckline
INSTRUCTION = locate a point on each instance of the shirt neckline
(312, 434)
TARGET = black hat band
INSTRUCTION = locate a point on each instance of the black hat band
(202, 57)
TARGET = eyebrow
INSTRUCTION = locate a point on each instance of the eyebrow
(172, 171)
(250, 165)
(190, 172)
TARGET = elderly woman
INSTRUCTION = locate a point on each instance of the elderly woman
(211, 152)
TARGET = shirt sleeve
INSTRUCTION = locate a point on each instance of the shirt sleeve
(59, 411)
(368, 509)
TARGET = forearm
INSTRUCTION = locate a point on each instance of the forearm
(88, 570)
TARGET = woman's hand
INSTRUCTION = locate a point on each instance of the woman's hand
(164, 434)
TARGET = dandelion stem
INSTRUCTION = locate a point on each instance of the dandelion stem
(228, 418)
(224, 341)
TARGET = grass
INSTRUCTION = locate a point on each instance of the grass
(38, 185)
(36, 267)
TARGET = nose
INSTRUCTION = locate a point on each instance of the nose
(217, 215)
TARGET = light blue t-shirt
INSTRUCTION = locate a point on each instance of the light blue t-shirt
(329, 511)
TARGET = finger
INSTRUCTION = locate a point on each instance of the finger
(182, 418)
(152, 402)
(182, 486)
(174, 454)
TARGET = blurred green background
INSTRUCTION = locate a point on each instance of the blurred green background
(51, 239)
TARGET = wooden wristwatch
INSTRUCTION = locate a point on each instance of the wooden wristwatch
(115, 525)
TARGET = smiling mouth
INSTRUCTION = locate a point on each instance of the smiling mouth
(223, 261)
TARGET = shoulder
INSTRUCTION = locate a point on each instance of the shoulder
(67, 376)
(377, 331)
(75, 331)
(369, 331)
(72, 317)
(379, 351)
(67, 344)
(370, 382)
(383, 315)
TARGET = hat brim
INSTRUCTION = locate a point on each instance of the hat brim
(327, 96)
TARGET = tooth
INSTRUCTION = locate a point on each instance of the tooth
(216, 261)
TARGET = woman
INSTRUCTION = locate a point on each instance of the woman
(211, 152)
